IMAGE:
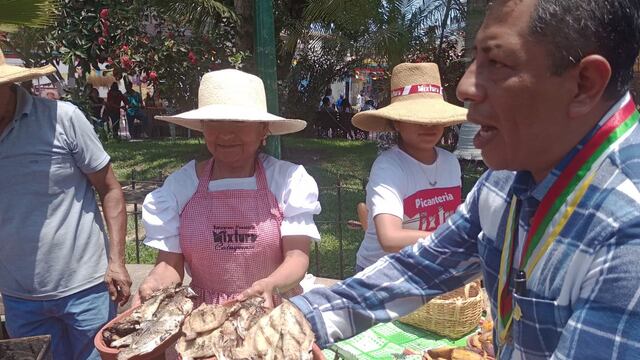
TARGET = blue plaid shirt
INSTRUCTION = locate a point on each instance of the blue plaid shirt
(583, 299)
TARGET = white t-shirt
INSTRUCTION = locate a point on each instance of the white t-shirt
(423, 196)
(294, 189)
(361, 101)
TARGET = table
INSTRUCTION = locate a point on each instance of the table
(388, 341)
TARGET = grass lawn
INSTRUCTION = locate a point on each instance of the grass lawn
(153, 158)
(326, 160)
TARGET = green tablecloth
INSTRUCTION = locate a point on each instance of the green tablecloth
(388, 341)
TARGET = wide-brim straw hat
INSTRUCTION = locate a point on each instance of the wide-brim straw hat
(416, 97)
(15, 74)
(233, 95)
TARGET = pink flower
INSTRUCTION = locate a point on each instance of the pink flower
(101, 41)
(124, 48)
(192, 57)
(104, 13)
(153, 76)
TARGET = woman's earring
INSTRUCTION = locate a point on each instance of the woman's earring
(264, 141)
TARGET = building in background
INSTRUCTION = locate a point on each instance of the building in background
(365, 79)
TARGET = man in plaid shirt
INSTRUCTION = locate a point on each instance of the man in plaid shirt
(549, 87)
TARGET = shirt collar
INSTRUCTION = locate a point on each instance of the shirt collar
(24, 103)
(525, 185)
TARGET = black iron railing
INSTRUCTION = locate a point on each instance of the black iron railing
(337, 206)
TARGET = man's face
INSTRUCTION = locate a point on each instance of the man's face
(521, 106)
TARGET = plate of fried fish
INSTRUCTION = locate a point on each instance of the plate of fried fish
(235, 330)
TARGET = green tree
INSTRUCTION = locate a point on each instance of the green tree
(141, 38)
(32, 13)
(387, 31)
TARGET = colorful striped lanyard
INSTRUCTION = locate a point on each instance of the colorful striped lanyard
(555, 209)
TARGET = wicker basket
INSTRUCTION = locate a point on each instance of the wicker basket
(451, 315)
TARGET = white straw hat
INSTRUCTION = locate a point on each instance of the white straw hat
(416, 97)
(233, 95)
(14, 74)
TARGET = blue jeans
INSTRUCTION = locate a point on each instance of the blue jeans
(72, 321)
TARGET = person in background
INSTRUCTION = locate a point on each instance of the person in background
(553, 226)
(368, 105)
(115, 102)
(96, 102)
(346, 106)
(361, 100)
(327, 100)
(414, 186)
(345, 116)
(339, 102)
(241, 221)
(149, 100)
(134, 111)
(60, 272)
(326, 104)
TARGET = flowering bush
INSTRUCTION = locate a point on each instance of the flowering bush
(133, 37)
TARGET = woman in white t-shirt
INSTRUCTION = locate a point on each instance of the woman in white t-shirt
(241, 222)
(414, 186)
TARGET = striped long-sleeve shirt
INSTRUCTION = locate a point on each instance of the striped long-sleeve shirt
(583, 299)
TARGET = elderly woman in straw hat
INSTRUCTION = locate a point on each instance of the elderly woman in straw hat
(414, 186)
(240, 222)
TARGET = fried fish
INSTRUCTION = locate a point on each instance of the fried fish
(165, 322)
(248, 332)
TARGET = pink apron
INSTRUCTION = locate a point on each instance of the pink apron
(230, 238)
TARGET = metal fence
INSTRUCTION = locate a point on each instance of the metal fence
(135, 192)
(340, 218)
(333, 200)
